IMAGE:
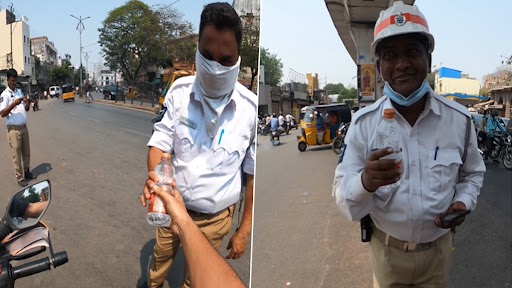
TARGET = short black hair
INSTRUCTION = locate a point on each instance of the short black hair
(11, 73)
(222, 16)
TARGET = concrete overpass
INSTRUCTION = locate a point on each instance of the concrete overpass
(354, 20)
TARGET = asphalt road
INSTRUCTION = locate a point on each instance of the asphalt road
(301, 240)
(95, 158)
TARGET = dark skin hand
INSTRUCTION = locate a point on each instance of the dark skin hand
(456, 206)
(380, 172)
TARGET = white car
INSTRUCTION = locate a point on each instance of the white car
(55, 91)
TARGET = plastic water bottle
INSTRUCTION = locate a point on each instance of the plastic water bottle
(389, 136)
(156, 210)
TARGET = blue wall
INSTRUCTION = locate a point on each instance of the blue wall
(449, 73)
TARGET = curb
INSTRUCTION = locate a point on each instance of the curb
(127, 106)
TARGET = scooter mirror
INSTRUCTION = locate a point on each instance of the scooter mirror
(27, 206)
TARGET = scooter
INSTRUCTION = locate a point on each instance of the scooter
(274, 137)
(35, 105)
(23, 236)
(339, 141)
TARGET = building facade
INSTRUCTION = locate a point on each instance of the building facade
(20, 58)
(45, 50)
(456, 86)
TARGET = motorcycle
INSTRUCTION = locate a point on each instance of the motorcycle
(35, 104)
(23, 236)
(507, 152)
(274, 137)
(502, 149)
(338, 143)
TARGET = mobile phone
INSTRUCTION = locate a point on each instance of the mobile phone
(448, 219)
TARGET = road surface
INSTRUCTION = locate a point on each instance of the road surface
(301, 240)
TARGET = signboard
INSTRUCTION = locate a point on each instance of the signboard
(367, 81)
(10, 18)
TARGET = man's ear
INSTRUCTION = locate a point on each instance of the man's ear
(377, 63)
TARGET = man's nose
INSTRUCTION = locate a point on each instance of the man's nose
(402, 62)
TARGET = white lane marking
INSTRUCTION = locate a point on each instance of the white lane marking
(95, 120)
(137, 132)
(74, 114)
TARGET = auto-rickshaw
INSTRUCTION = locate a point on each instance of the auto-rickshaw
(183, 72)
(338, 113)
(68, 93)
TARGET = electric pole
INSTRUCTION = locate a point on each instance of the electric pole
(11, 60)
(80, 27)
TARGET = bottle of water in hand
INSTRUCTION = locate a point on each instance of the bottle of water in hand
(157, 215)
(389, 136)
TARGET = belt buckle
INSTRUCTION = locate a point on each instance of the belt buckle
(410, 246)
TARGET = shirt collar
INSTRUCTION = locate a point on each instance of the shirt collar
(11, 91)
(197, 93)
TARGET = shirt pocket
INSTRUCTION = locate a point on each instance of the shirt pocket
(184, 142)
(228, 155)
(444, 168)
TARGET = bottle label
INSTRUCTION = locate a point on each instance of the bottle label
(156, 204)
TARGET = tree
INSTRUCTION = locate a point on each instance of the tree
(131, 38)
(61, 75)
(273, 67)
(76, 77)
(331, 88)
(250, 45)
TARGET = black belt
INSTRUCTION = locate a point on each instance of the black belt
(209, 215)
(16, 127)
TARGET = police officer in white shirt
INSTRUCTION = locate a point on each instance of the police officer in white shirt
(14, 107)
(409, 246)
(210, 129)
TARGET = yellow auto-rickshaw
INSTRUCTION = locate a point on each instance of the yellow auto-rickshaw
(332, 116)
(67, 93)
(184, 70)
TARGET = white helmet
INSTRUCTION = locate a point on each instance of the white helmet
(401, 19)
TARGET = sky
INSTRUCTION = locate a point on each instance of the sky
(470, 36)
(60, 28)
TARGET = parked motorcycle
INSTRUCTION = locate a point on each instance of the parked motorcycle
(338, 143)
(23, 236)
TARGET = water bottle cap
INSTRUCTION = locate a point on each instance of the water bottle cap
(389, 113)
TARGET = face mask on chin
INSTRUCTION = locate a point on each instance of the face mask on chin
(216, 81)
(407, 101)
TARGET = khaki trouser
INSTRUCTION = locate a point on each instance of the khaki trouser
(395, 268)
(20, 145)
(167, 244)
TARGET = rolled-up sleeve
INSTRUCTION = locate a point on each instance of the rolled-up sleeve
(352, 199)
(4, 100)
(472, 175)
(250, 157)
(163, 135)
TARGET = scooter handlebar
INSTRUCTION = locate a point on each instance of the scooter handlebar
(38, 266)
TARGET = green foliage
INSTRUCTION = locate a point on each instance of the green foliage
(130, 38)
(250, 45)
(273, 67)
(342, 92)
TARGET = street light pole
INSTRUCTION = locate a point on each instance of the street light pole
(80, 27)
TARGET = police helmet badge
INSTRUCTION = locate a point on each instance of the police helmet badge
(400, 19)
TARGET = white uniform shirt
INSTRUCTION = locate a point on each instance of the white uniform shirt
(428, 182)
(289, 118)
(281, 120)
(207, 171)
(18, 115)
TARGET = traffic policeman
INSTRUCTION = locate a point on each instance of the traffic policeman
(410, 245)
(210, 129)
